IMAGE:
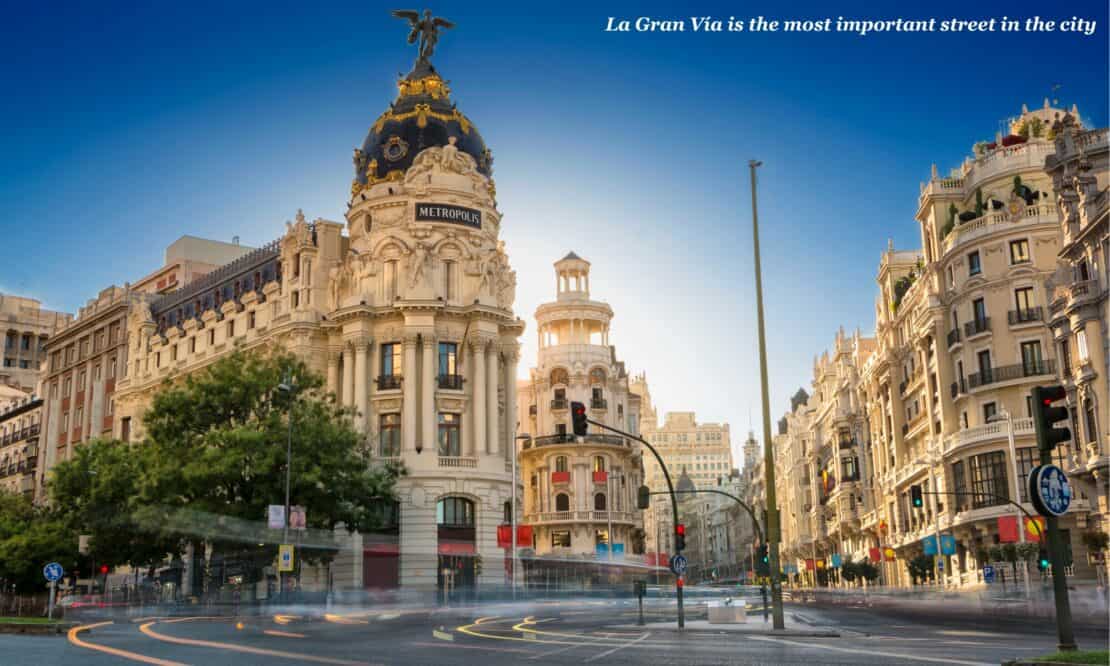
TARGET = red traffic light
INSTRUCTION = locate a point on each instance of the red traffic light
(680, 529)
(578, 418)
(103, 568)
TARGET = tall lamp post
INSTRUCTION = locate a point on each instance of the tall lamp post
(1004, 415)
(514, 560)
(768, 446)
(288, 387)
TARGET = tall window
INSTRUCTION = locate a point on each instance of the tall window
(988, 479)
(1023, 298)
(979, 311)
(1019, 251)
(599, 502)
(389, 433)
(984, 366)
(599, 463)
(1065, 357)
(449, 444)
(990, 410)
(391, 359)
(1027, 458)
(455, 512)
(1092, 425)
(561, 464)
(973, 267)
(448, 357)
(1081, 345)
(1031, 361)
(562, 502)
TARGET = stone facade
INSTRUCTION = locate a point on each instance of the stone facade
(406, 309)
(577, 489)
(26, 327)
(20, 430)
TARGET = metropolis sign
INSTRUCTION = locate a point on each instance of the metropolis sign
(433, 212)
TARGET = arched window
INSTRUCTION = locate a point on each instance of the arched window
(599, 463)
(599, 502)
(561, 464)
(597, 376)
(455, 512)
(562, 502)
(559, 376)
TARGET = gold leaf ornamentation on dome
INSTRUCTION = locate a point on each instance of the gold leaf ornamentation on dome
(422, 112)
(432, 86)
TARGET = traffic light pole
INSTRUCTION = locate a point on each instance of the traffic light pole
(1044, 415)
(768, 445)
(674, 506)
(755, 521)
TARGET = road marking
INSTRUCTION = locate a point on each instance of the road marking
(619, 647)
(823, 646)
(339, 619)
(283, 634)
(281, 619)
(145, 628)
(71, 635)
(442, 635)
(492, 648)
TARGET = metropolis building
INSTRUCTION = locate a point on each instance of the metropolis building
(406, 308)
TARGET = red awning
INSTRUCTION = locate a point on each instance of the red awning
(456, 548)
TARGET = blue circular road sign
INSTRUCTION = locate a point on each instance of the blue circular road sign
(53, 571)
(1052, 489)
(678, 565)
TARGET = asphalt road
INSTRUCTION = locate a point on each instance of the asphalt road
(564, 632)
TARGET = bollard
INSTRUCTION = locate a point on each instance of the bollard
(641, 586)
(763, 593)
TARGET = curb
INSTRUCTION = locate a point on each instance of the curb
(30, 629)
(784, 633)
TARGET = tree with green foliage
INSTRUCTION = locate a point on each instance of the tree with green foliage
(216, 442)
(30, 538)
(95, 493)
(921, 568)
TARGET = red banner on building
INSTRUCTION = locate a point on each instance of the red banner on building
(560, 477)
(523, 536)
(810, 565)
(1007, 529)
(601, 476)
(876, 555)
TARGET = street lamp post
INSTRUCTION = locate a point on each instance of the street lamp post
(513, 559)
(1004, 415)
(768, 446)
(287, 386)
(932, 460)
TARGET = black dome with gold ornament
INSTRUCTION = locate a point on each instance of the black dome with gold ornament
(423, 116)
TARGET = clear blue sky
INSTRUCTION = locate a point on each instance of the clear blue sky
(126, 127)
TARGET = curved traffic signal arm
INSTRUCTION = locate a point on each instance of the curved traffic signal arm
(755, 521)
(1046, 415)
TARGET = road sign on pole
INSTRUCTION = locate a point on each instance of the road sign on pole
(285, 557)
(1052, 493)
(678, 565)
(52, 572)
(988, 574)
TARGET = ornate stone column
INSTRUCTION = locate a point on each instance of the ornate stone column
(512, 356)
(348, 376)
(408, 384)
(493, 441)
(333, 371)
(360, 383)
(428, 395)
(478, 399)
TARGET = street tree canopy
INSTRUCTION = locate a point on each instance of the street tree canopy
(215, 445)
(30, 537)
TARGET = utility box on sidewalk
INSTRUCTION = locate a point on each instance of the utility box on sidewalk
(722, 612)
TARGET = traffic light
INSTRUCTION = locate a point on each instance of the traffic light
(915, 497)
(643, 497)
(763, 555)
(103, 569)
(679, 538)
(1045, 415)
(1042, 560)
(578, 416)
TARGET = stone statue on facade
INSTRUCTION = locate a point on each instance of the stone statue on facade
(424, 32)
(419, 264)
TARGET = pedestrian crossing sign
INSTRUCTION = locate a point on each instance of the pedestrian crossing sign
(285, 557)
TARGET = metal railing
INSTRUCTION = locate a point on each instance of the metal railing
(453, 382)
(389, 382)
(589, 438)
(953, 336)
(559, 403)
(1005, 373)
(599, 403)
(1026, 316)
(977, 326)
